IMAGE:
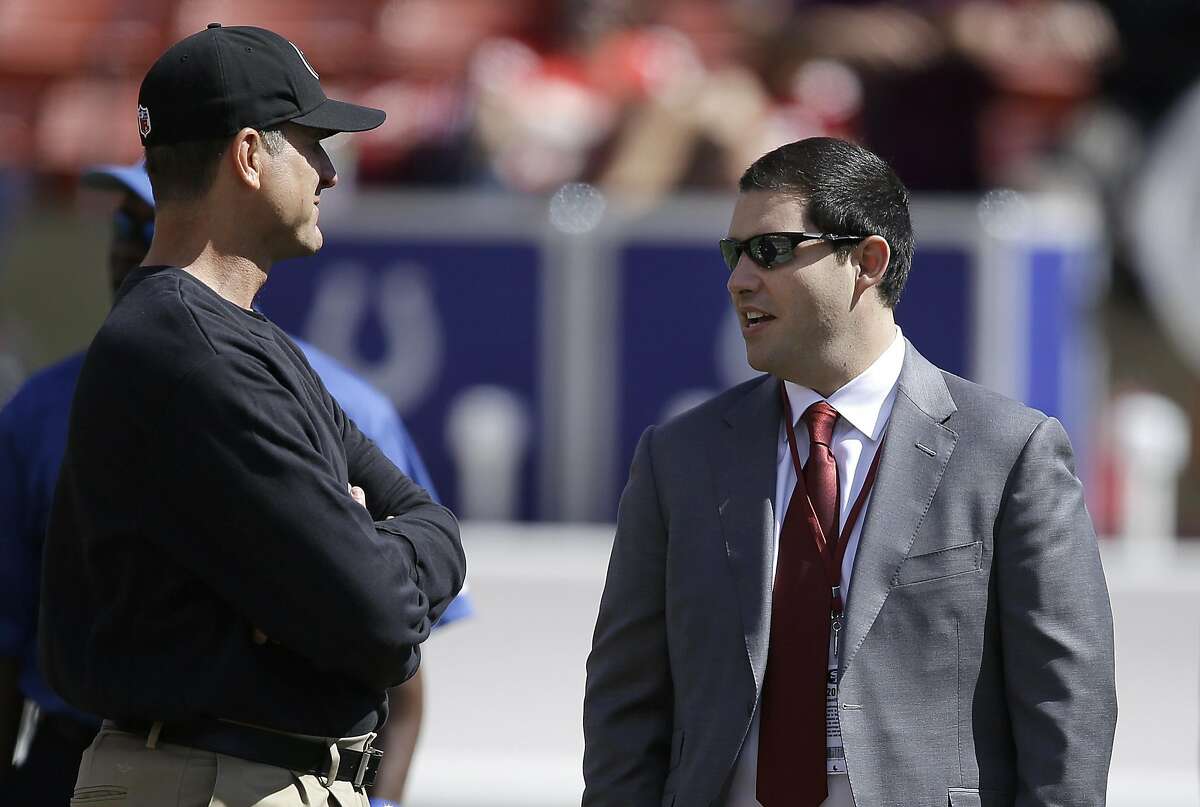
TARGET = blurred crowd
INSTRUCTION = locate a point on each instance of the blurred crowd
(641, 97)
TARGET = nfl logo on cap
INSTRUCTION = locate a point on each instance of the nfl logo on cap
(143, 120)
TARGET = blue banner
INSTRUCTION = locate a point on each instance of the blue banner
(425, 321)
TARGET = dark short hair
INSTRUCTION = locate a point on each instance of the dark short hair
(183, 172)
(848, 190)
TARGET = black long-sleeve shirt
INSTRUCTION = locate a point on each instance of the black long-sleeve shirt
(203, 494)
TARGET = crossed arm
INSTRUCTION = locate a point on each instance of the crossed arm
(372, 584)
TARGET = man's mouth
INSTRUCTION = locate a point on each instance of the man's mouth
(753, 319)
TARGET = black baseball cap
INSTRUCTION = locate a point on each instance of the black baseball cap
(214, 83)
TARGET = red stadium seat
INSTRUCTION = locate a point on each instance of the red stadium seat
(86, 121)
(434, 40)
(63, 37)
(18, 104)
(335, 36)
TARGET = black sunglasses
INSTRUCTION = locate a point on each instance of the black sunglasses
(769, 250)
(127, 228)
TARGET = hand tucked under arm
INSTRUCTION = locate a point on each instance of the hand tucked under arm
(403, 509)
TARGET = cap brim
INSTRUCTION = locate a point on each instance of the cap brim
(339, 116)
(121, 179)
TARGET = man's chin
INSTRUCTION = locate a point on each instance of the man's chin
(758, 361)
(315, 241)
(306, 245)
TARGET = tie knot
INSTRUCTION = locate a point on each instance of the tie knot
(820, 419)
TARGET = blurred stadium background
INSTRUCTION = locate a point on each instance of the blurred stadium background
(523, 258)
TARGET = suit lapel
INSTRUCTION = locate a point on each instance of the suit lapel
(745, 459)
(907, 479)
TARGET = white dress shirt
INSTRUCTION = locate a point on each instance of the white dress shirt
(864, 406)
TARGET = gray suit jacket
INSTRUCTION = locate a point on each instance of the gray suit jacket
(978, 661)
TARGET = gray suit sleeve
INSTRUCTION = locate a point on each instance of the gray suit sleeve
(1056, 628)
(627, 707)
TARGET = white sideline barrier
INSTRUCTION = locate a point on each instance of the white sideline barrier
(504, 709)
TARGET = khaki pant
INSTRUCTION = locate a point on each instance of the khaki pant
(121, 769)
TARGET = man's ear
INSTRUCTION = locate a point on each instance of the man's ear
(246, 152)
(871, 258)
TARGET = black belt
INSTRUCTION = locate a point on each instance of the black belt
(266, 747)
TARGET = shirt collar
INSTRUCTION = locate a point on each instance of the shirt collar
(862, 401)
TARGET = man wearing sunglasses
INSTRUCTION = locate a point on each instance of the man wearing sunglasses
(33, 432)
(856, 579)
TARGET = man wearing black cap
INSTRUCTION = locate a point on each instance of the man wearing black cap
(233, 574)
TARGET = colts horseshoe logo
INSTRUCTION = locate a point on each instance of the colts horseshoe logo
(352, 300)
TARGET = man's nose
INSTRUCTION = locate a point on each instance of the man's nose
(327, 172)
(744, 277)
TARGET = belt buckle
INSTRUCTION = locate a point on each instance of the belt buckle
(368, 766)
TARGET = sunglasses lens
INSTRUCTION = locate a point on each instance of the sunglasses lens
(769, 250)
(123, 227)
(731, 251)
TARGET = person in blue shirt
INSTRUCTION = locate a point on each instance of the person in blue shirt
(33, 433)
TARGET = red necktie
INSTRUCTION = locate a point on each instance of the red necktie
(820, 472)
(791, 745)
